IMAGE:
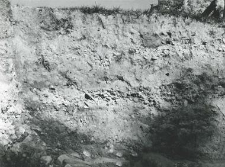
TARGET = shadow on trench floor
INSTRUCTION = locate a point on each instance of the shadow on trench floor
(52, 143)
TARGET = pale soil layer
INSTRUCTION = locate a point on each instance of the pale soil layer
(86, 85)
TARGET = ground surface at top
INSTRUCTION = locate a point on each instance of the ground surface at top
(124, 4)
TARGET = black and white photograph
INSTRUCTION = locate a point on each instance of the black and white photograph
(112, 83)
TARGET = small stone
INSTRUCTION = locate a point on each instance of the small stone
(111, 150)
(92, 139)
(62, 158)
(220, 49)
(223, 40)
(86, 153)
(68, 165)
(11, 131)
(20, 131)
(119, 154)
(76, 155)
(46, 159)
(51, 87)
(119, 163)
(134, 154)
(185, 103)
(4, 142)
(152, 40)
(136, 99)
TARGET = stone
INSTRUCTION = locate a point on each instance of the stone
(46, 160)
(119, 154)
(20, 131)
(220, 49)
(4, 142)
(134, 154)
(119, 163)
(152, 40)
(76, 155)
(86, 153)
(68, 165)
(185, 103)
(76, 161)
(77, 165)
(62, 158)
(51, 87)
(111, 150)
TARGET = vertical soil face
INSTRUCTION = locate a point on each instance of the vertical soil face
(97, 73)
(10, 105)
(90, 83)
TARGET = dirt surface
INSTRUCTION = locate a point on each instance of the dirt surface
(80, 89)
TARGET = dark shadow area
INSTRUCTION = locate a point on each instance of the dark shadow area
(52, 139)
(105, 11)
(180, 133)
(176, 8)
(26, 156)
(49, 21)
(59, 137)
(170, 7)
(212, 10)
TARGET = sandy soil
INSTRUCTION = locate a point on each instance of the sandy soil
(82, 88)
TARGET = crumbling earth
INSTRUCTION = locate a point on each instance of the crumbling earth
(81, 89)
